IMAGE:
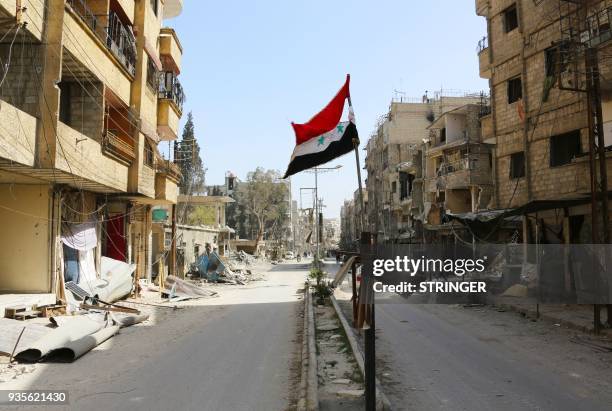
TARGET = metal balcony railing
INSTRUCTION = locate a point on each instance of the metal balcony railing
(483, 44)
(170, 88)
(117, 37)
(112, 144)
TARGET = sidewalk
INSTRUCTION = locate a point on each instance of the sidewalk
(573, 316)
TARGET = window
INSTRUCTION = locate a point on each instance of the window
(556, 58)
(65, 99)
(510, 18)
(443, 135)
(515, 90)
(385, 155)
(394, 186)
(564, 147)
(405, 184)
(517, 165)
(149, 158)
(154, 6)
(152, 77)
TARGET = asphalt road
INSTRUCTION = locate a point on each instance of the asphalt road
(235, 352)
(449, 357)
(455, 358)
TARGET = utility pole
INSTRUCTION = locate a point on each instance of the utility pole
(576, 24)
(316, 209)
(316, 205)
(599, 184)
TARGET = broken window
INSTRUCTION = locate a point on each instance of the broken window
(510, 18)
(515, 91)
(564, 147)
(65, 99)
(405, 180)
(517, 165)
(443, 135)
(555, 59)
(394, 186)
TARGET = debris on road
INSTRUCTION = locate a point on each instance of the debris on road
(175, 287)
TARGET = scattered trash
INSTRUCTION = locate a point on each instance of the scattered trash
(184, 288)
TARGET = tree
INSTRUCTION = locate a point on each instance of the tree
(187, 156)
(189, 160)
(264, 199)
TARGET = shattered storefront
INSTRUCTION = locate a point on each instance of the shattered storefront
(55, 235)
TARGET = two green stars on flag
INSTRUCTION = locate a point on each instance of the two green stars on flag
(339, 127)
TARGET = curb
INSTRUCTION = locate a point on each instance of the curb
(309, 383)
(382, 402)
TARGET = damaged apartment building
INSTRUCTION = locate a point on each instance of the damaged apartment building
(457, 171)
(409, 172)
(535, 57)
(88, 91)
(551, 122)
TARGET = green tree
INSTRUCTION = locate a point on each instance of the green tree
(189, 160)
(264, 199)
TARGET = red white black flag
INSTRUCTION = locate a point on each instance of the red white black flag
(324, 137)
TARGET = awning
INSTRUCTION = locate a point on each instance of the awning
(488, 218)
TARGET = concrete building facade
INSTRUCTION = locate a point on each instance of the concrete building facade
(89, 92)
(534, 59)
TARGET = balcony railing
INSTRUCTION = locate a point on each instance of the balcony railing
(169, 168)
(483, 44)
(170, 88)
(117, 37)
(116, 147)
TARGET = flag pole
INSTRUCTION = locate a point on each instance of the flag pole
(370, 332)
(356, 148)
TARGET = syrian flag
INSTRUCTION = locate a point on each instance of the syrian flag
(324, 137)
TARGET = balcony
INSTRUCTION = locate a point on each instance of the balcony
(471, 170)
(170, 89)
(484, 58)
(167, 177)
(170, 50)
(33, 16)
(109, 29)
(170, 169)
(482, 8)
(486, 129)
(82, 157)
(118, 147)
(172, 8)
(169, 106)
(18, 136)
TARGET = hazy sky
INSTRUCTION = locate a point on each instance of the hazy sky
(251, 67)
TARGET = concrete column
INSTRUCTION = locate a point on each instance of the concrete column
(49, 93)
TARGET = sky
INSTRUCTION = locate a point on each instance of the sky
(250, 67)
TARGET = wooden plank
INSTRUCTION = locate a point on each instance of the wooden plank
(113, 308)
